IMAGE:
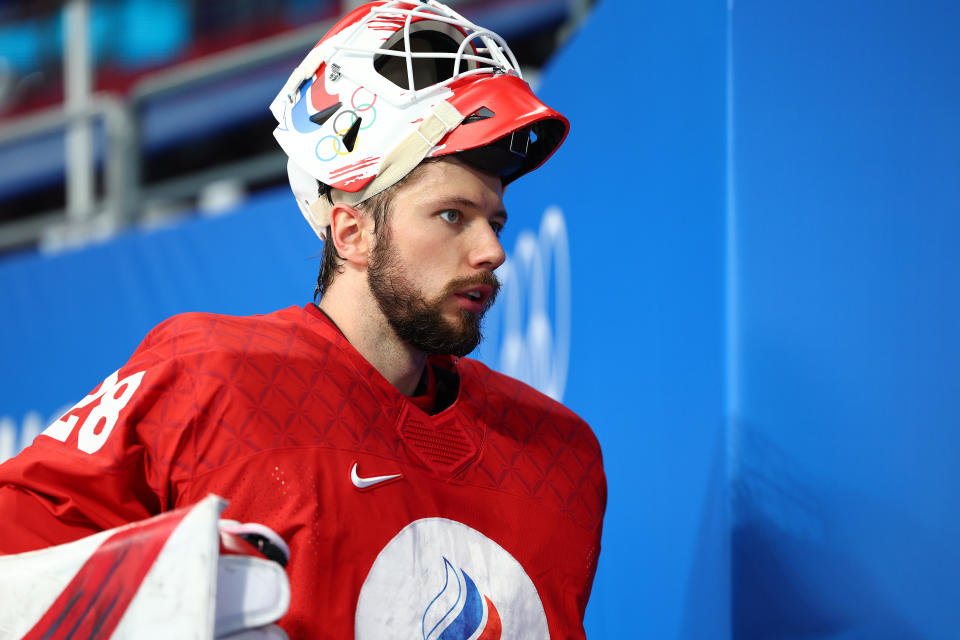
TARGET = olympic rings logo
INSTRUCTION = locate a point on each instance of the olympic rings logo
(528, 330)
(344, 121)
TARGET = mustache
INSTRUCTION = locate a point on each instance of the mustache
(485, 278)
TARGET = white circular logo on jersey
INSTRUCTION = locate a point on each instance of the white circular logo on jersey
(439, 579)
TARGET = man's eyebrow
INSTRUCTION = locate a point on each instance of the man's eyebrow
(467, 202)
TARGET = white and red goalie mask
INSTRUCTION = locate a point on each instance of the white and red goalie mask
(394, 82)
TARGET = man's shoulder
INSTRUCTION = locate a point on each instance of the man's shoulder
(501, 386)
(211, 333)
(541, 440)
(202, 320)
(510, 396)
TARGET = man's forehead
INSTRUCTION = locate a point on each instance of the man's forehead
(450, 180)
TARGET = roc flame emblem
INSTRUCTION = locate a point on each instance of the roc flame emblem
(460, 611)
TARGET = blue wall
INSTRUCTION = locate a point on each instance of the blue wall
(846, 464)
(760, 208)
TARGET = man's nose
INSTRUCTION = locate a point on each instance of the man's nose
(487, 252)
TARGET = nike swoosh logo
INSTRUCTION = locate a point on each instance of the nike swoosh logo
(366, 483)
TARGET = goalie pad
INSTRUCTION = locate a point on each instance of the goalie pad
(173, 576)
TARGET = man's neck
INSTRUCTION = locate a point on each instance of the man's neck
(364, 325)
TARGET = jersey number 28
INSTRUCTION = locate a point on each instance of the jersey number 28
(113, 394)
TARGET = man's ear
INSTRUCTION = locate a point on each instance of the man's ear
(351, 233)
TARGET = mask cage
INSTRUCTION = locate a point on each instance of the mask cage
(428, 38)
(442, 37)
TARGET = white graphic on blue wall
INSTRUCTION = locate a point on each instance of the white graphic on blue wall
(527, 331)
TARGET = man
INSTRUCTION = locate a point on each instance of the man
(422, 494)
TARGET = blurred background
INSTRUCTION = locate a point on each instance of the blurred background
(167, 99)
(741, 269)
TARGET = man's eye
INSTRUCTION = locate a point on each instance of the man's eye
(450, 215)
(497, 227)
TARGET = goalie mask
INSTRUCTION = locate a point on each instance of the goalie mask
(395, 82)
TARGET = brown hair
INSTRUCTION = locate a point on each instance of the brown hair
(378, 206)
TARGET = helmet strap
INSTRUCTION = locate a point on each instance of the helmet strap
(402, 160)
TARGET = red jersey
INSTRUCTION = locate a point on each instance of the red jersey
(481, 521)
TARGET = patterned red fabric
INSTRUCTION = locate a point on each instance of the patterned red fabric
(272, 412)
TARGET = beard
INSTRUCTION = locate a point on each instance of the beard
(420, 322)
